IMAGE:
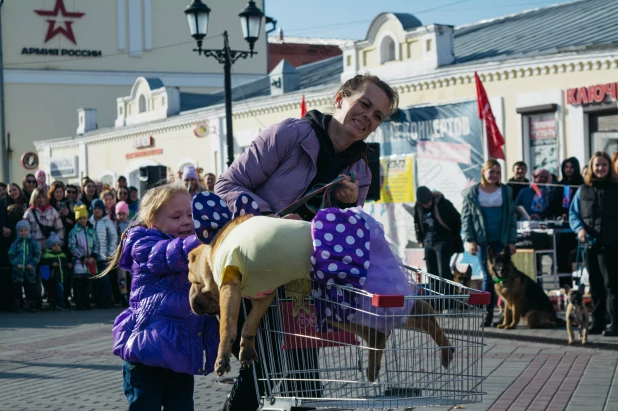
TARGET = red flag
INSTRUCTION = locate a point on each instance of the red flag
(495, 141)
(303, 107)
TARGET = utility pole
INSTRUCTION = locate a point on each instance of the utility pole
(4, 153)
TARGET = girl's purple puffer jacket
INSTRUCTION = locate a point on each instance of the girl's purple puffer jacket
(159, 329)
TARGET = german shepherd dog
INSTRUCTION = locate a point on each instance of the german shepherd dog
(577, 314)
(463, 278)
(206, 297)
(523, 297)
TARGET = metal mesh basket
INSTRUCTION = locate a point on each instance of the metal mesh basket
(304, 363)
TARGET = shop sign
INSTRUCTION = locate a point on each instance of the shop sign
(201, 129)
(145, 153)
(60, 23)
(143, 142)
(592, 94)
(29, 160)
(63, 167)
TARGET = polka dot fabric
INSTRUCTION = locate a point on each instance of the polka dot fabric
(355, 243)
(341, 256)
(341, 247)
(210, 213)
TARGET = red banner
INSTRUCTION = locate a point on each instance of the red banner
(303, 107)
(495, 141)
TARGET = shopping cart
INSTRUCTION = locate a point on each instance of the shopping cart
(304, 364)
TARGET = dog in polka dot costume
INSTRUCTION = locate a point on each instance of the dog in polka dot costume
(249, 255)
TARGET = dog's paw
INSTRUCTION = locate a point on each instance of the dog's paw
(510, 327)
(584, 342)
(372, 373)
(570, 342)
(222, 365)
(447, 356)
(500, 326)
(248, 356)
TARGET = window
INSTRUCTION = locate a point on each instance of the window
(387, 50)
(142, 104)
(163, 101)
(543, 137)
(348, 61)
(107, 179)
(120, 111)
(428, 45)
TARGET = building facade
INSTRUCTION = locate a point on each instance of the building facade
(62, 55)
(299, 51)
(553, 94)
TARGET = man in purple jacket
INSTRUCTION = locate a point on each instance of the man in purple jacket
(285, 162)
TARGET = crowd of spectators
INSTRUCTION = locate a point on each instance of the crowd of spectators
(56, 236)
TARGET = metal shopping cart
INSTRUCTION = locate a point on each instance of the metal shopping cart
(305, 364)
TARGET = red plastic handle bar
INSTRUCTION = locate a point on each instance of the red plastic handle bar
(387, 301)
(480, 298)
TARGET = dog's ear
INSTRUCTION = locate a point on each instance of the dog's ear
(507, 251)
(582, 288)
(490, 254)
(567, 289)
(469, 271)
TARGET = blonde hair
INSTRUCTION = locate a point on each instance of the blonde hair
(106, 193)
(486, 166)
(590, 178)
(35, 194)
(149, 206)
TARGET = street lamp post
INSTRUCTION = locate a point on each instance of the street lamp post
(251, 21)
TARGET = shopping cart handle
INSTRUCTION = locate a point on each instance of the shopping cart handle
(480, 298)
(387, 301)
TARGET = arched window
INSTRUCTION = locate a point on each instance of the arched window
(142, 104)
(387, 50)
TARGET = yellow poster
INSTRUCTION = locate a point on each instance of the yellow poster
(398, 179)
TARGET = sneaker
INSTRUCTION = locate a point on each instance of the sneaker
(58, 308)
(610, 332)
(594, 330)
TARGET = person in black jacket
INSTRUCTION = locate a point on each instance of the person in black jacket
(519, 181)
(566, 243)
(594, 217)
(438, 231)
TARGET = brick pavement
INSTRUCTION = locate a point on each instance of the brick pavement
(62, 361)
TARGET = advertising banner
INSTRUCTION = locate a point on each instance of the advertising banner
(437, 146)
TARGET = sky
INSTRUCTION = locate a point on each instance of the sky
(350, 19)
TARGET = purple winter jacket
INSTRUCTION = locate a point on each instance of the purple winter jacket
(159, 329)
(279, 166)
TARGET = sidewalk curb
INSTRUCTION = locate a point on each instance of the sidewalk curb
(549, 340)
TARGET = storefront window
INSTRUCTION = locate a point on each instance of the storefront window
(543, 142)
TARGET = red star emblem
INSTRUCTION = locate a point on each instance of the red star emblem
(67, 29)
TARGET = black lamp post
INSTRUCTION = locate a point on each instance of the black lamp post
(251, 21)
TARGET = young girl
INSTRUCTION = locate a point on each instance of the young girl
(84, 246)
(110, 204)
(159, 338)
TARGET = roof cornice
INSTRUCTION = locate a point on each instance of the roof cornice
(320, 96)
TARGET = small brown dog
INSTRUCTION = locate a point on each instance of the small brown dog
(206, 297)
(577, 314)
